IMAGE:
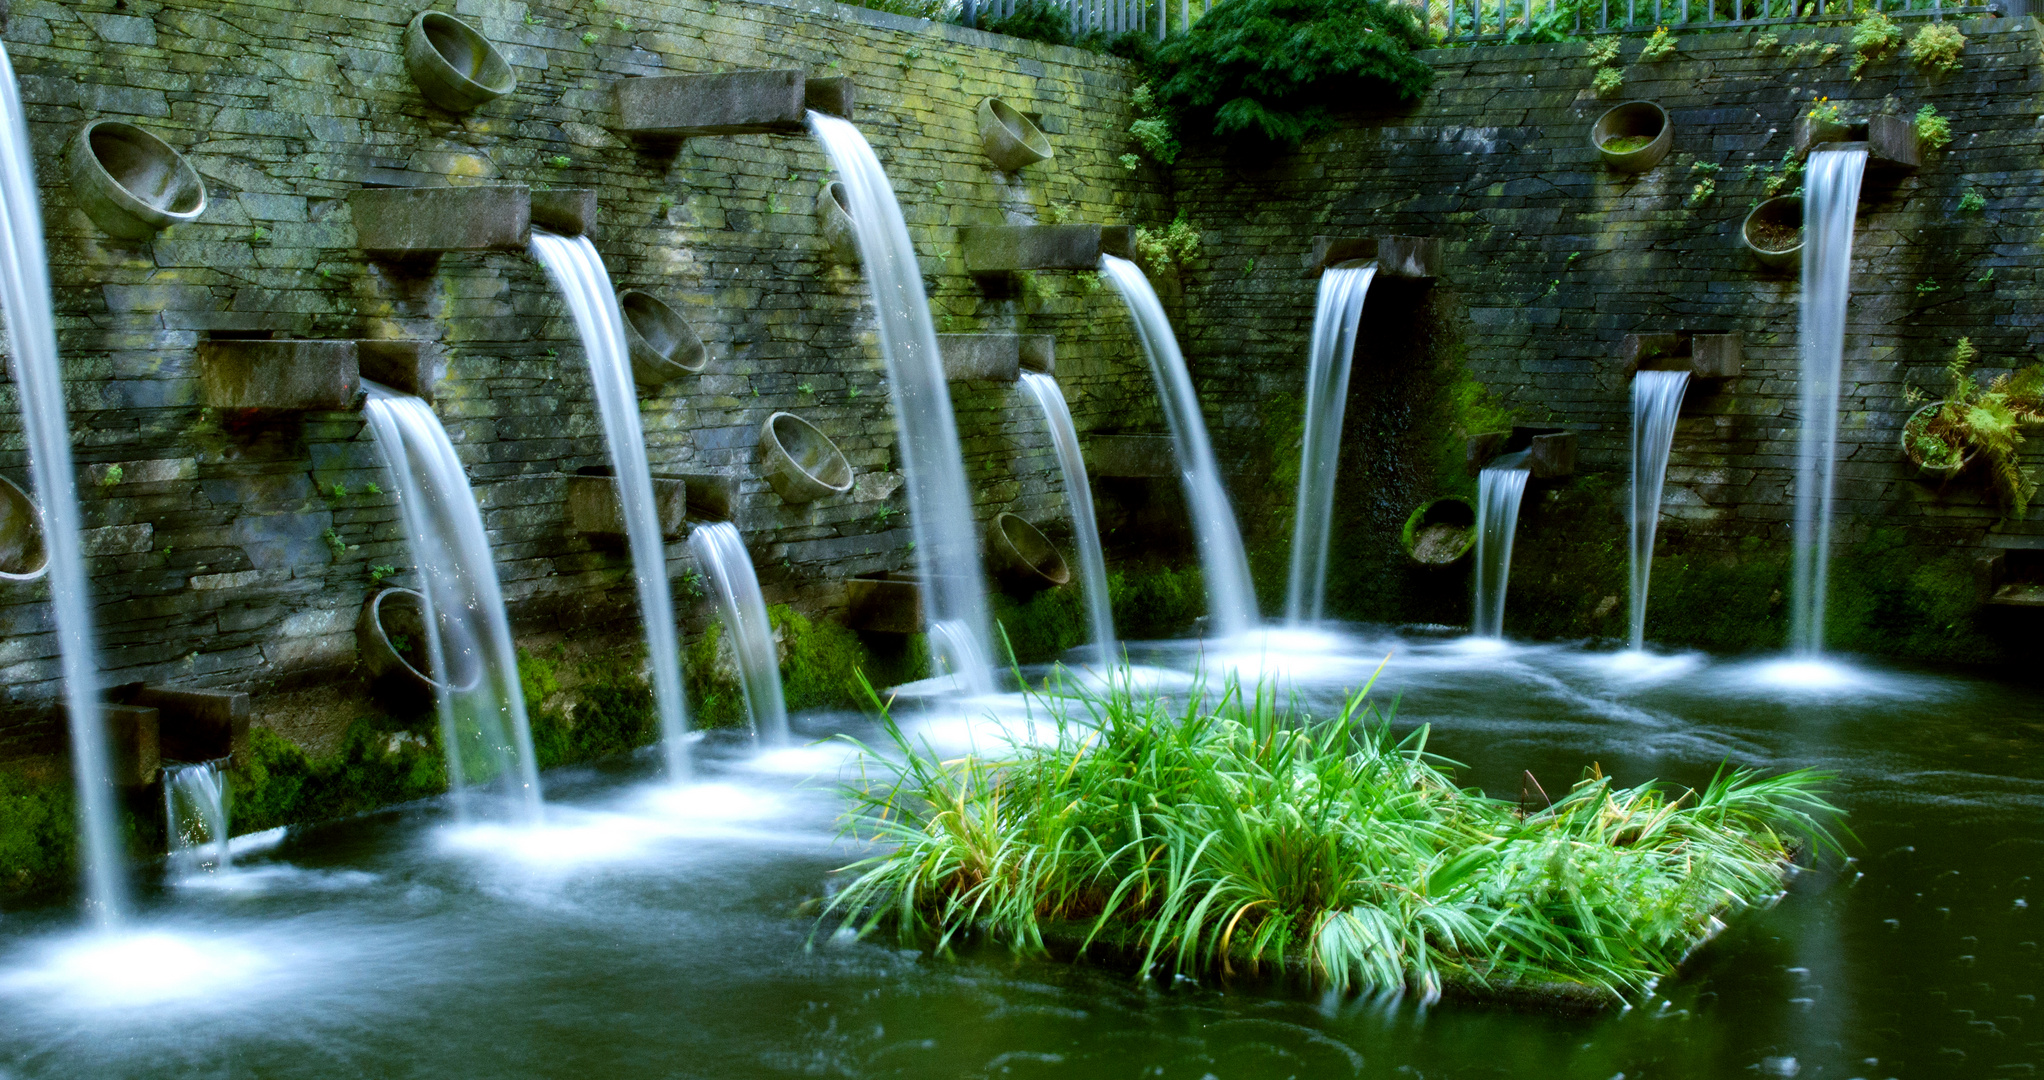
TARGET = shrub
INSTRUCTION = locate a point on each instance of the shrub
(1036, 20)
(1152, 128)
(1607, 81)
(1661, 44)
(1937, 46)
(1934, 131)
(1272, 73)
(1875, 37)
(1172, 246)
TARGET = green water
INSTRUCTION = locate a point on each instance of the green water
(653, 933)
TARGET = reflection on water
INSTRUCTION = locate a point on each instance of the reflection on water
(650, 929)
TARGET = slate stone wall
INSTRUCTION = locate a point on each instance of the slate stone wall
(230, 551)
(1551, 260)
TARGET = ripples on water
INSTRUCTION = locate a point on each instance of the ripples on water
(645, 929)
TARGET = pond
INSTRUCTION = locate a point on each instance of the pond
(654, 931)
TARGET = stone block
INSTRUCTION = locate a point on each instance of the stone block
(1481, 448)
(1417, 257)
(993, 249)
(285, 375)
(1038, 353)
(884, 605)
(1131, 456)
(1717, 356)
(728, 103)
(426, 221)
(197, 725)
(596, 506)
(981, 356)
(411, 367)
(710, 494)
(135, 755)
(1553, 456)
(567, 211)
(1329, 250)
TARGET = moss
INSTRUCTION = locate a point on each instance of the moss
(1044, 627)
(275, 783)
(38, 827)
(1156, 602)
(587, 708)
(715, 698)
(821, 660)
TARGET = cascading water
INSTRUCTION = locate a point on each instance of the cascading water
(468, 635)
(1328, 359)
(195, 815)
(1231, 602)
(940, 505)
(721, 551)
(1064, 439)
(1656, 401)
(577, 271)
(32, 342)
(1830, 202)
(1499, 487)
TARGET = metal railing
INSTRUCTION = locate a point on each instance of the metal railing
(1461, 22)
(1468, 22)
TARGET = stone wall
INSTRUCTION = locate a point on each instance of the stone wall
(1551, 260)
(230, 551)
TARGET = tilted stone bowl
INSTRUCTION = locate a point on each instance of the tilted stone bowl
(390, 636)
(455, 66)
(1024, 557)
(801, 463)
(664, 347)
(1011, 140)
(130, 182)
(1633, 119)
(1785, 211)
(834, 217)
(1942, 472)
(22, 558)
(1450, 512)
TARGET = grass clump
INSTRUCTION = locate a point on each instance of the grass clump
(1234, 833)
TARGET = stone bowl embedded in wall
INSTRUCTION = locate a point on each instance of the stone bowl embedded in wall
(1916, 422)
(22, 557)
(131, 183)
(801, 462)
(454, 65)
(1023, 557)
(664, 347)
(1011, 140)
(1633, 120)
(390, 637)
(1766, 223)
(1440, 533)
(834, 218)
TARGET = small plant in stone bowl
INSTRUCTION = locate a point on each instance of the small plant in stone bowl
(1975, 421)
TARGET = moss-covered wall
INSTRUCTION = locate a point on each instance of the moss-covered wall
(230, 551)
(1551, 261)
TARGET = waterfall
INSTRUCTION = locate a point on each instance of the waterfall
(721, 551)
(577, 271)
(1830, 202)
(1064, 438)
(940, 505)
(1656, 400)
(1328, 357)
(32, 342)
(1499, 487)
(195, 815)
(468, 636)
(1231, 602)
